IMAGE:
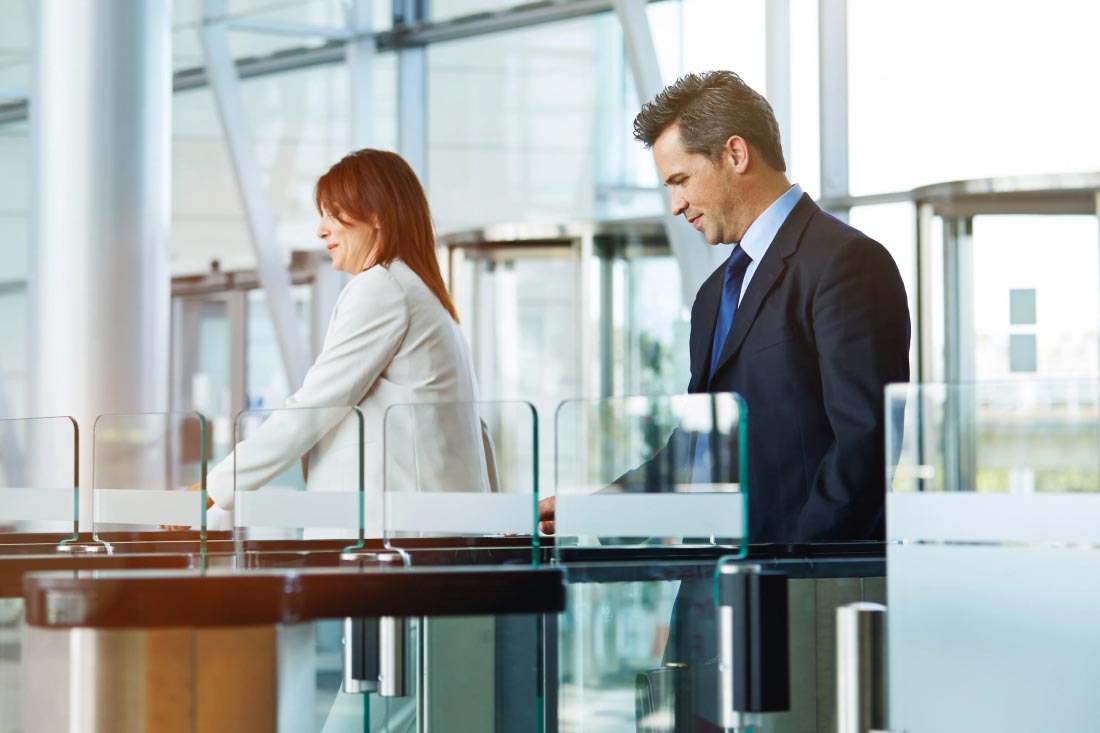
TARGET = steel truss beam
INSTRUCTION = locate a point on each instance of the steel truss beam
(259, 213)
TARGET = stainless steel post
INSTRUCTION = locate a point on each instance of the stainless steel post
(361, 655)
(375, 650)
(393, 653)
(861, 668)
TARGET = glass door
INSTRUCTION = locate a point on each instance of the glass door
(1009, 282)
(208, 356)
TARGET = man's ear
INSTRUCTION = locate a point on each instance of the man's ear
(737, 152)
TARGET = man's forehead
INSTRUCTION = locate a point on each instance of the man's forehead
(670, 156)
(668, 142)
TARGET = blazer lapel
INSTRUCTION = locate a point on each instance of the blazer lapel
(767, 272)
(702, 328)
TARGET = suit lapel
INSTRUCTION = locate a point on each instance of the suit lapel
(767, 273)
(702, 328)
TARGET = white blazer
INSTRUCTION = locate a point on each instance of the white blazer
(389, 342)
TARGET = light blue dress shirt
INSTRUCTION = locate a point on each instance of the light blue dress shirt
(761, 232)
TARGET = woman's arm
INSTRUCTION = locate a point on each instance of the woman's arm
(369, 325)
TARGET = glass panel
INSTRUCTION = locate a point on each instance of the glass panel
(651, 470)
(298, 473)
(516, 143)
(148, 472)
(38, 477)
(460, 470)
(638, 654)
(995, 451)
(993, 516)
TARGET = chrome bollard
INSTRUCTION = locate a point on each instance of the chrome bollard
(861, 668)
(360, 655)
(375, 650)
(393, 653)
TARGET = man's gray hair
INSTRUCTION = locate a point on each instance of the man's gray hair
(710, 108)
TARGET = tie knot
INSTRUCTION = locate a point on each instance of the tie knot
(739, 260)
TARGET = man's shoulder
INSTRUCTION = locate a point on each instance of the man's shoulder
(826, 237)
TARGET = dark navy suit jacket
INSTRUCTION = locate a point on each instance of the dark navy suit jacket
(821, 329)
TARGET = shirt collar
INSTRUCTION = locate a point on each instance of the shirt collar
(762, 231)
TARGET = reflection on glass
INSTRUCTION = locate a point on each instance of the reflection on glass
(142, 468)
(460, 470)
(38, 477)
(651, 469)
(995, 437)
(298, 473)
(624, 661)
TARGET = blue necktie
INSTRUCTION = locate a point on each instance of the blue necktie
(736, 266)
(706, 464)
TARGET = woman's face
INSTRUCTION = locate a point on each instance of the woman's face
(348, 244)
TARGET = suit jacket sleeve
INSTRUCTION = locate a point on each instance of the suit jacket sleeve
(368, 327)
(860, 322)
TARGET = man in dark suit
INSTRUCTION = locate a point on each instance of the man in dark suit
(807, 320)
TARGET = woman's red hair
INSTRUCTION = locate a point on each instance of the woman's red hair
(377, 185)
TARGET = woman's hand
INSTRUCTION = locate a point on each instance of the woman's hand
(209, 504)
(546, 515)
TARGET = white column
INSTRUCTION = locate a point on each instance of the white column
(100, 283)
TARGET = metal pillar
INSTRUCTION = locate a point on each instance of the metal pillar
(861, 703)
(360, 63)
(270, 260)
(412, 91)
(696, 259)
(833, 86)
(777, 25)
(99, 280)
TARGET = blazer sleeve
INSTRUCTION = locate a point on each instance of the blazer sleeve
(369, 325)
(861, 330)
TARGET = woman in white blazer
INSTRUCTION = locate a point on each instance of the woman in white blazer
(393, 339)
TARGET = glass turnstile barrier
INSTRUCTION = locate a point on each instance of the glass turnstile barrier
(38, 481)
(676, 620)
(649, 497)
(993, 523)
(148, 474)
(451, 675)
(461, 475)
(38, 501)
(297, 475)
(460, 487)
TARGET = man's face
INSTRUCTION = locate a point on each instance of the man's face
(702, 190)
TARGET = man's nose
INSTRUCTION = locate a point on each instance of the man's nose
(679, 204)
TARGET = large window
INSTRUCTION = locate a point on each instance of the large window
(510, 126)
(942, 90)
(1036, 297)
